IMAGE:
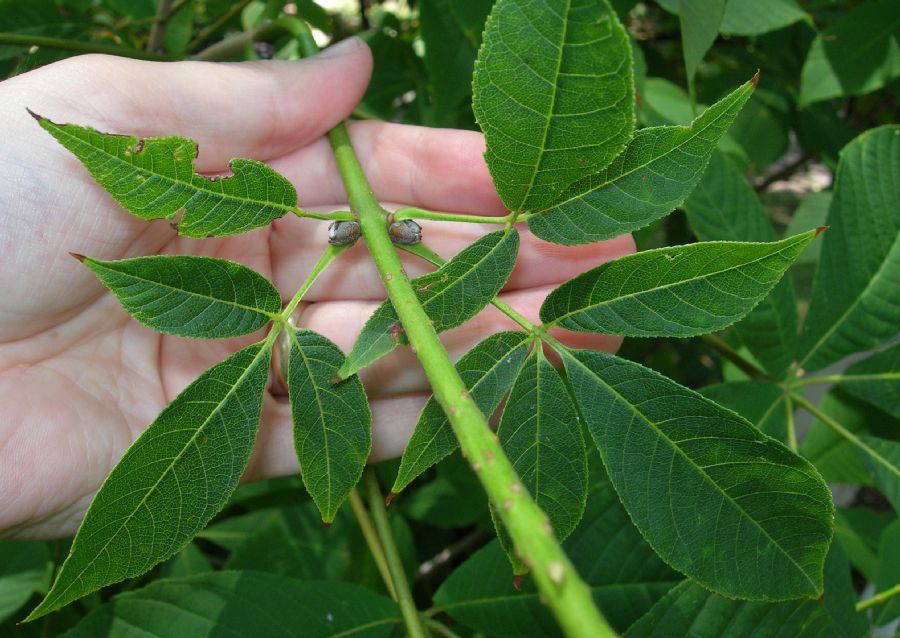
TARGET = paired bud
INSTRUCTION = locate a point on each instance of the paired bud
(345, 233)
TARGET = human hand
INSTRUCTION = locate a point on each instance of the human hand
(80, 380)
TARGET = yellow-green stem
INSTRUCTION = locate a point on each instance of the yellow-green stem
(878, 598)
(372, 542)
(422, 213)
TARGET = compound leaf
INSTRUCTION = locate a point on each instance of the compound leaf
(487, 370)
(654, 174)
(724, 207)
(242, 603)
(876, 380)
(154, 178)
(451, 295)
(554, 95)
(541, 434)
(703, 485)
(190, 296)
(332, 421)
(680, 291)
(855, 305)
(175, 477)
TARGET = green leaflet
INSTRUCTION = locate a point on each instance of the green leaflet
(154, 178)
(724, 207)
(876, 380)
(190, 296)
(859, 531)
(759, 402)
(700, 23)
(888, 572)
(173, 479)
(854, 304)
(554, 95)
(702, 484)
(332, 422)
(451, 295)
(541, 435)
(25, 567)
(858, 53)
(487, 370)
(449, 59)
(680, 291)
(240, 603)
(480, 594)
(811, 213)
(882, 457)
(753, 17)
(653, 175)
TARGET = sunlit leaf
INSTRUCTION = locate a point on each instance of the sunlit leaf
(175, 477)
(332, 421)
(680, 291)
(451, 295)
(855, 305)
(541, 435)
(702, 484)
(553, 94)
(487, 370)
(653, 175)
(190, 296)
(154, 178)
(245, 603)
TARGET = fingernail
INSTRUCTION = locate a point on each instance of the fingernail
(342, 48)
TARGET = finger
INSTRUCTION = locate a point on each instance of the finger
(393, 420)
(441, 169)
(249, 109)
(399, 372)
(296, 245)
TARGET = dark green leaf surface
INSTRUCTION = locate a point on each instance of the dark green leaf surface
(840, 597)
(175, 477)
(451, 295)
(24, 567)
(753, 17)
(857, 54)
(541, 435)
(759, 402)
(859, 529)
(882, 457)
(332, 421)
(190, 296)
(189, 561)
(449, 58)
(653, 175)
(487, 370)
(811, 213)
(480, 595)
(234, 603)
(154, 178)
(724, 207)
(554, 95)
(690, 610)
(679, 292)
(700, 23)
(888, 573)
(702, 484)
(876, 380)
(855, 305)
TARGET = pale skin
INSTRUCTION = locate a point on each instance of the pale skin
(80, 379)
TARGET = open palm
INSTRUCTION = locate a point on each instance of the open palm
(80, 380)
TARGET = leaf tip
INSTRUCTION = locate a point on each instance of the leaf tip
(79, 257)
(755, 79)
(389, 498)
(517, 582)
(337, 378)
(326, 524)
(39, 118)
(821, 229)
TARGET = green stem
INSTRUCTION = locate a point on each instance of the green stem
(567, 595)
(371, 537)
(338, 215)
(421, 213)
(440, 628)
(217, 25)
(840, 378)
(732, 355)
(404, 596)
(81, 47)
(878, 598)
(789, 420)
(158, 30)
(837, 427)
(327, 257)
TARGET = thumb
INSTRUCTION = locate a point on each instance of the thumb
(259, 109)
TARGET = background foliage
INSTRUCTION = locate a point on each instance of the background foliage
(796, 157)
